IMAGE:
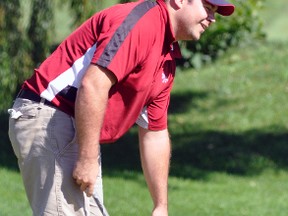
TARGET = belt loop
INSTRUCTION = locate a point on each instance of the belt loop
(19, 93)
(42, 101)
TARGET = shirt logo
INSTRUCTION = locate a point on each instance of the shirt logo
(165, 78)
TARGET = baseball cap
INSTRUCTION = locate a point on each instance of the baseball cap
(224, 8)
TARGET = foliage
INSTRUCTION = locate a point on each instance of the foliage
(24, 47)
(14, 60)
(40, 29)
(243, 27)
(84, 9)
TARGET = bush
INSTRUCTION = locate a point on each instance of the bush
(14, 59)
(242, 28)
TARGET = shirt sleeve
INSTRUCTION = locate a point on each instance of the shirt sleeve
(124, 42)
(157, 111)
(154, 116)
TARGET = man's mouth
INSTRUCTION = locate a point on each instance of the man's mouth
(204, 26)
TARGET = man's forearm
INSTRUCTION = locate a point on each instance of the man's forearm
(155, 157)
(90, 109)
(89, 113)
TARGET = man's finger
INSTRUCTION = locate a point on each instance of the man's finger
(83, 187)
(89, 190)
(78, 181)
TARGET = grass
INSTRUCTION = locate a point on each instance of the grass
(13, 200)
(219, 194)
(228, 125)
(244, 83)
(229, 129)
(275, 20)
(230, 195)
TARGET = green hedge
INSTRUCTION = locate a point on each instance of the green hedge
(243, 27)
(14, 57)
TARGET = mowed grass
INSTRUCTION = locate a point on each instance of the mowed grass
(220, 194)
(228, 125)
(274, 17)
(12, 200)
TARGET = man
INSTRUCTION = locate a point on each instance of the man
(115, 70)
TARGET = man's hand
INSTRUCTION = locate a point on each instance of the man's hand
(160, 211)
(85, 173)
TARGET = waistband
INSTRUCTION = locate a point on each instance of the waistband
(30, 95)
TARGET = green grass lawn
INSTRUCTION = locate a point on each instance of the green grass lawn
(12, 200)
(219, 194)
(229, 127)
(274, 16)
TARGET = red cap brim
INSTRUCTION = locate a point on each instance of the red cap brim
(224, 8)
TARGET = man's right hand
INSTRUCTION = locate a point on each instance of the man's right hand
(160, 211)
(85, 174)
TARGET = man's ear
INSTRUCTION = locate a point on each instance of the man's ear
(176, 4)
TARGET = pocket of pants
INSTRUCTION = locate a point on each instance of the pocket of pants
(22, 128)
(24, 109)
(62, 133)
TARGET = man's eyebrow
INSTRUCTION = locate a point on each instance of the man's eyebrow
(210, 6)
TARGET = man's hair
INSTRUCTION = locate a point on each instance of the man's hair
(187, 0)
(169, 0)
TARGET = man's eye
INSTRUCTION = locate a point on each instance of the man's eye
(208, 9)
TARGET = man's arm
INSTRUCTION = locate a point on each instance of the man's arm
(90, 106)
(155, 150)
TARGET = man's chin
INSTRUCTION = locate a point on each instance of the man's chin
(196, 37)
(191, 37)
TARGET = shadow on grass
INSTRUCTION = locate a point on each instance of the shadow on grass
(196, 152)
(7, 157)
(183, 101)
(248, 153)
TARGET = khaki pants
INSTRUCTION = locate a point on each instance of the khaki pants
(43, 139)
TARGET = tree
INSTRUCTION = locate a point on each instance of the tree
(84, 9)
(22, 49)
(13, 57)
(40, 29)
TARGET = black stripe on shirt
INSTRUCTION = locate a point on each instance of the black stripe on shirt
(123, 30)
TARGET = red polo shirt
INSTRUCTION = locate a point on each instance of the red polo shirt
(135, 42)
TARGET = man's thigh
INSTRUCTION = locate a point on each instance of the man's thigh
(43, 140)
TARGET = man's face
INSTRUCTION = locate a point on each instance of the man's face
(193, 18)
